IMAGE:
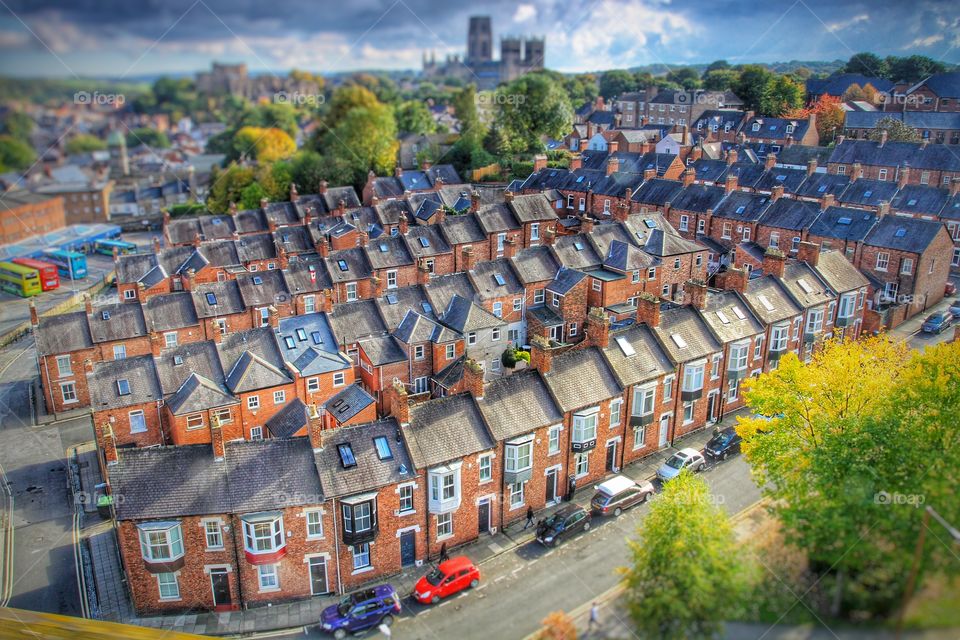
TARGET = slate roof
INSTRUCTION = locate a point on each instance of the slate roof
(657, 192)
(868, 193)
(370, 472)
(389, 211)
(532, 208)
(568, 372)
(576, 252)
(786, 213)
(445, 430)
(790, 179)
(665, 242)
(381, 350)
(945, 85)
(686, 323)
(294, 240)
(820, 184)
(429, 234)
(315, 349)
(215, 227)
(333, 196)
(912, 235)
(839, 273)
(735, 328)
(141, 377)
(465, 316)
(183, 230)
(463, 229)
(118, 321)
(199, 393)
(605, 234)
(442, 289)
(63, 333)
(819, 294)
(263, 288)
(387, 252)
(775, 128)
(648, 360)
(307, 276)
(194, 357)
(843, 223)
(697, 198)
(416, 328)
(916, 119)
(742, 206)
(625, 257)
(354, 320)
(250, 221)
(252, 360)
(348, 403)
(226, 294)
(355, 260)
(767, 289)
(518, 404)
(253, 247)
(535, 264)
(920, 199)
(565, 280)
(222, 253)
(718, 117)
(484, 279)
(170, 311)
(897, 154)
(496, 218)
(838, 83)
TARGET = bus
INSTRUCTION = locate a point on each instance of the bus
(70, 264)
(106, 247)
(18, 279)
(49, 278)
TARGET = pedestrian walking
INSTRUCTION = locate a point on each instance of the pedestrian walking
(443, 553)
(529, 518)
(594, 617)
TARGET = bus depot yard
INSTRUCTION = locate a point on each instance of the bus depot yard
(83, 250)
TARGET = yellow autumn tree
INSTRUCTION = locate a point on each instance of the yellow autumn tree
(558, 626)
(264, 144)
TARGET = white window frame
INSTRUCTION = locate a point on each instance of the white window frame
(516, 495)
(339, 378)
(553, 439)
(585, 425)
(314, 520)
(616, 412)
(313, 385)
(253, 402)
(485, 468)
(119, 351)
(166, 581)
(268, 577)
(279, 397)
(518, 455)
(444, 526)
(213, 534)
(155, 536)
(142, 420)
(258, 541)
(64, 367)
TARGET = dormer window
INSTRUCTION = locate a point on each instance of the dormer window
(160, 541)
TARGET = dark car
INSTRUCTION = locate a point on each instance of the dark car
(723, 444)
(937, 322)
(361, 610)
(564, 523)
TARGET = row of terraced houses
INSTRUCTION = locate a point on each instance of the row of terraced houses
(325, 374)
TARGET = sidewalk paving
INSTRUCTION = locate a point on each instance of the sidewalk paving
(114, 600)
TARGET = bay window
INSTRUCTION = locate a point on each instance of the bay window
(518, 454)
(444, 482)
(814, 323)
(585, 429)
(642, 409)
(692, 381)
(160, 541)
(778, 338)
(737, 367)
(263, 533)
(359, 518)
(845, 309)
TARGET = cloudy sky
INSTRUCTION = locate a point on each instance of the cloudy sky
(120, 38)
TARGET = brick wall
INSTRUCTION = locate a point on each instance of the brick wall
(51, 380)
(119, 420)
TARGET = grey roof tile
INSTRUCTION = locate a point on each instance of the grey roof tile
(568, 372)
(106, 383)
(445, 430)
(518, 404)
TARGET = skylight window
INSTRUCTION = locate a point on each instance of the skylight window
(347, 458)
(287, 340)
(212, 299)
(315, 336)
(781, 178)
(578, 245)
(301, 335)
(498, 278)
(343, 265)
(177, 360)
(650, 224)
(424, 242)
(391, 298)
(765, 302)
(257, 280)
(383, 448)
(217, 221)
(580, 179)
(822, 188)
(741, 209)
(805, 286)
(737, 312)
(105, 315)
(723, 317)
(426, 307)
(123, 387)
(678, 340)
(900, 232)
(911, 202)
(383, 247)
(867, 194)
(844, 221)
(625, 346)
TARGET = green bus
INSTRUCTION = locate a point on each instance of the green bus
(20, 280)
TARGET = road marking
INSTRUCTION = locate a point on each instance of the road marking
(6, 562)
(498, 579)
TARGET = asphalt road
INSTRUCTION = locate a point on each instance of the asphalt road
(33, 460)
(521, 587)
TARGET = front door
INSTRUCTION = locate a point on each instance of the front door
(712, 406)
(318, 576)
(556, 333)
(611, 456)
(220, 581)
(484, 517)
(664, 430)
(408, 548)
(551, 485)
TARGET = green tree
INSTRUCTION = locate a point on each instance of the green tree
(15, 155)
(613, 83)
(716, 65)
(307, 170)
(868, 64)
(150, 137)
(721, 79)
(684, 576)
(364, 139)
(896, 130)
(685, 77)
(782, 95)
(263, 144)
(271, 116)
(17, 125)
(414, 117)
(226, 186)
(753, 87)
(913, 68)
(83, 143)
(472, 130)
(531, 107)
(251, 195)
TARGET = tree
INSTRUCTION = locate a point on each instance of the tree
(363, 139)
(530, 107)
(866, 93)
(557, 626)
(263, 145)
(226, 186)
(721, 79)
(782, 94)
(896, 130)
(684, 575)
(414, 117)
(15, 155)
(913, 68)
(685, 77)
(347, 98)
(17, 125)
(867, 64)
(83, 143)
(716, 65)
(616, 82)
(753, 86)
(857, 437)
(307, 170)
(271, 115)
(830, 116)
(149, 137)
(251, 195)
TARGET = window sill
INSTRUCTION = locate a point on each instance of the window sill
(70, 401)
(444, 537)
(412, 512)
(517, 506)
(214, 549)
(365, 569)
(312, 538)
(177, 599)
(268, 590)
(483, 482)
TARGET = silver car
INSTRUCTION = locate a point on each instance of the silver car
(683, 459)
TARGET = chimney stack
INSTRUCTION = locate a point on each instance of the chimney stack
(549, 235)
(423, 274)
(273, 317)
(541, 357)
(473, 378)
(34, 316)
(903, 177)
(774, 262)
(770, 162)
(698, 293)
(730, 184)
(116, 255)
(689, 176)
(264, 202)
(732, 279)
(811, 167)
(883, 138)
(576, 162)
(613, 146)
(214, 333)
(509, 248)
(196, 240)
(468, 258)
(404, 224)
(108, 445)
(508, 196)
(883, 208)
(87, 304)
(323, 187)
(216, 439)
(315, 428)
(294, 196)
(954, 187)
(613, 165)
(87, 367)
(377, 285)
(323, 247)
(648, 309)
(156, 344)
(397, 171)
(776, 193)
(539, 162)
(399, 404)
(856, 172)
(808, 252)
(731, 157)
(649, 174)
(827, 201)
(474, 201)
(232, 209)
(598, 327)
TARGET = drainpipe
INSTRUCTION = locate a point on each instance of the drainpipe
(236, 556)
(336, 547)
(678, 383)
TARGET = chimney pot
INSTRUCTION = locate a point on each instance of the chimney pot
(808, 252)
(541, 357)
(598, 327)
(774, 262)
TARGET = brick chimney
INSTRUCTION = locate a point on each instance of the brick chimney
(468, 258)
(141, 292)
(903, 177)
(294, 196)
(214, 332)
(613, 165)
(156, 245)
(441, 215)
(576, 162)
(474, 201)
(423, 274)
(856, 172)
(508, 196)
(689, 176)
(87, 304)
(732, 279)
(327, 301)
(108, 444)
(808, 252)
(839, 140)
(770, 162)
(283, 258)
(598, 328)
(776, 193)
(87, 367)
(539, 162)
(404, 224)
(954, 187)
(116, 255)
(196, 240)
(377, 285)
(323, 186)
(883, 208)
(827, 201)
(811, 167)
(509, 248)
(323, 247)
(399, 405)
(273, 317)
(648, 309)
(730, 184)
(649, 174)
(731, 157)
(613, 146)
(473, 378)
(774, 262)
(541, 356)
(698, 293)
(362, 238)
(156, 343)
(264, 202)
(883, 138)
(397, 171)
(216, 439)
(586, 224)
(314, 428)
(271, 225)
(695, 153)
(34, 316)
(232, 209)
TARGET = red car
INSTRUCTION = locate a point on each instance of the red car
(450, 577)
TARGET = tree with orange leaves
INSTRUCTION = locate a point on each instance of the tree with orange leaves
(830, 116)
(558, 626)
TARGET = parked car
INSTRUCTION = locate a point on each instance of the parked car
(683, 459)
(955, 310)
(361, 610)
(723, 444)
(449, 577)
(619, 493)
(937, 322)
(564, 523)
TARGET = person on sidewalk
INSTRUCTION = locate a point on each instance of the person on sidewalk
(443, 553)
(529, 518)
(594, 617)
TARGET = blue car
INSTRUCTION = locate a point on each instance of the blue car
(937, 322)
(361, 610)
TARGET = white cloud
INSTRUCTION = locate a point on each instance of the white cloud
(924, 42)
(524, 12)
(14, 39)
(843, 25)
